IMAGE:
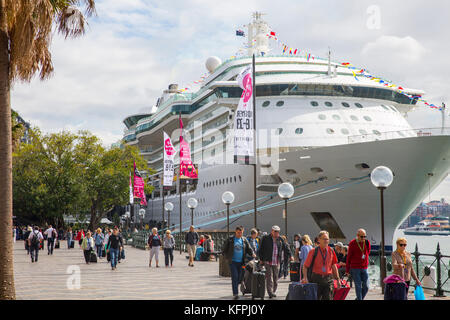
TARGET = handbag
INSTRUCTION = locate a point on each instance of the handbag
(418, 293)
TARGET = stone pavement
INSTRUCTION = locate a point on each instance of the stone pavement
(133, 279)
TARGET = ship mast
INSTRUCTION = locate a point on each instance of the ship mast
(258, 42)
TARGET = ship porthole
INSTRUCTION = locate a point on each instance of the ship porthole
(317, 170)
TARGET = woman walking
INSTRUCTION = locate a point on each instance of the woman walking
(304, 250)
(115, 242)
(88, 246)
(168, 246)
(99, 238)
(402, 263)
(154, 242)
(69, 237)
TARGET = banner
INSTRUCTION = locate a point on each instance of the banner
(131, 191)
(243, 120)
(139, 186)
(169, 155)
(187, 168)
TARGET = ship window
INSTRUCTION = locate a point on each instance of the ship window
(217, 183)
(314, 103)
(317, 170)
(223, 181)
(367, 118)
(362, 131)
(328, 104)
(278, 131)
(240, 178)
(299, 131)
(378, 133)
(354, 118)
(393, 109)
(362, 166)
(266, 104)
(336, 117)
(322, 116)
(358, 105)
(384, 107)
(280, 103)
(234, 178)
(330, 131)
(345, 131)
(345, 104)
(325, 221)
(227, 180)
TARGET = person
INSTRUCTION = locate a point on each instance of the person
(115, 242)
(316, 242)
(69, 237)
(235, 249)
(25, 237)
(168, 246)
(338, 250)
(357, 263)
(297, 245)
(202, 239)
(154, 242)
(208, 244)
(122, 248)
(107, 235)
(34, 242)
(270, 257)
(51, 237)
(80, 236)
(87, 246)
(254, 241)
(191, 240)
(286, 255)
(98, 239)
(14, 234)
(323, 269)
(342, 262)
(402, 263)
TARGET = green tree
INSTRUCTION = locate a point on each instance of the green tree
(25, 39)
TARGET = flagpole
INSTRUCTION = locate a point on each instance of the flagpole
(162, 191)
(179, 179)
(254, 138)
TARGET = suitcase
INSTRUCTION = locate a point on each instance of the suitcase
(294, 271)
(198, 252)
(300, 291)
(246, 284)
(341, 290)
(204, 256)
(108, 256)
(258, 279)
(122, 254)
(57, 245)
(93, 257)
(72, 244)
(395, 291)
(103, 252)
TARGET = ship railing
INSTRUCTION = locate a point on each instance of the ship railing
(400, 134)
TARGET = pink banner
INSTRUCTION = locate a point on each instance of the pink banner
(139, 186)
(187, 169)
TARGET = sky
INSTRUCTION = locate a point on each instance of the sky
(134, 49)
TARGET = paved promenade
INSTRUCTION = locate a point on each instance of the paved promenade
(133, 279)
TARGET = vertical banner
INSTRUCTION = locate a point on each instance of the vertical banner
(169, 155)
(131, 191)
(139, 186)
(187, 168)
(243, 120)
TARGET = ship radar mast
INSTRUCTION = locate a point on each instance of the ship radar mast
(258, 42)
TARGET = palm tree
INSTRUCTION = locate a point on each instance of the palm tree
(25, 38)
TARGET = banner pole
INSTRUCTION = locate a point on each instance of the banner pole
(254, 139)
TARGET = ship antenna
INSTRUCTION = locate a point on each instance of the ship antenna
(443, 113)
(329, 61)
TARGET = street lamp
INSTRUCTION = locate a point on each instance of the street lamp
(127, 216)
(169, 207)
(285, 191)
(142, 215)
(382, 178)
(228, 198)
(192, 204)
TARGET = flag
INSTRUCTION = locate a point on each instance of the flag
(295, 52)
(139, 186)
(272, 33)
(168, 162)
(240, 33)
(187, 168)
(131, 191)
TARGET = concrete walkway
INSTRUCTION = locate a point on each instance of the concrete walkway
(65, 275)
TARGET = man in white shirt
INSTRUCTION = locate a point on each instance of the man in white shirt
(51, 235)
(34, 240)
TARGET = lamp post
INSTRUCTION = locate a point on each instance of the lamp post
(192, 204)
(285, 191)
(228, 198)
(382, 178)
(169, 207)
(127, 216)
(142, 215)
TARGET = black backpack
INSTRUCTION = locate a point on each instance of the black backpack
(34, 239)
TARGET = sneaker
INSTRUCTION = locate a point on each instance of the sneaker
(157, 266)
(236, 297)
(271, 295)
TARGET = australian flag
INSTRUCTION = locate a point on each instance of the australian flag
(240, 33)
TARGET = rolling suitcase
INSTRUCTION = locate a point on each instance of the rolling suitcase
(198, 252)
(300, 291)
(72, 244)
(294, 271)
(93, 257)
(57, 244)
(246, 284)
(258, 279)
(341, 290)
(108, 256)
(395, 291)
(204, 256)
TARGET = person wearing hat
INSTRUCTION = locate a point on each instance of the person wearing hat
(270, 256)
(297, 245)
(25, 237)
(99, 238)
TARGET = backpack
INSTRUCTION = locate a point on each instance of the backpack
(34, 239)
(53, 233)
(310, 269)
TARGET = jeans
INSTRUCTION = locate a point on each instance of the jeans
(325, 286)
(69, 241)
(236, 276)
(114, 253)
(271, 277)
(34, 250)
(168, 253)
(361, 280)
(50, 244)
(99, 248)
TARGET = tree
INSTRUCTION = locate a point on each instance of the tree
(25, 38)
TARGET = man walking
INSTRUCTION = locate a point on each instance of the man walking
(191, 239)
(323, 268)
(51, 236)
(253, 240)
(235, 250)
(34, 241)
(358, 262)
(270, 255)
(115, 242)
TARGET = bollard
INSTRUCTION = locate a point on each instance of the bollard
(224, 267)
(429, 279)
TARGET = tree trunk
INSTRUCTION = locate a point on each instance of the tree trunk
(7, 290)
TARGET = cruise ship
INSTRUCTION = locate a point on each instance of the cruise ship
(320, 127)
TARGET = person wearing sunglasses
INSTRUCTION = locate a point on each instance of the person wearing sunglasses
(402, 263)
(358, 262)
